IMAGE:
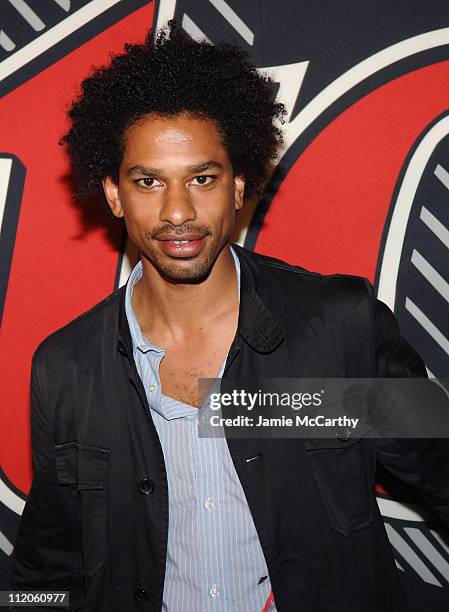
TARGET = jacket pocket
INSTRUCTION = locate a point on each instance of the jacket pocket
(84, 469)
(343, 476)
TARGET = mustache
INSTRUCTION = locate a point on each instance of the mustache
(180, 230)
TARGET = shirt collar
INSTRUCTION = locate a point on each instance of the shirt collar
(256, 324)
(139, 340)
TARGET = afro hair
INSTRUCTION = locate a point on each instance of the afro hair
(167, 75)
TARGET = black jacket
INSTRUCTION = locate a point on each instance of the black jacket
(92, 526)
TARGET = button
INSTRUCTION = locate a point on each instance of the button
(146, 486)
(141, 594)
(152, 388)
(214, 591)
(121, 348)
(209, 503)
(344, 434)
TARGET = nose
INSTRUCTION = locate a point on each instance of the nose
(177, 207)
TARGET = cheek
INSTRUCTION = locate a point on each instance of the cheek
(138, 221)
(226, 218)
(139, 209)
(223, 204)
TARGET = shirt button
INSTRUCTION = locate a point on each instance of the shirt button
(214, 591)
(209, 503)
(152, 388)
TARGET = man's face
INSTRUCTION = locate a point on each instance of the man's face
(177, 194)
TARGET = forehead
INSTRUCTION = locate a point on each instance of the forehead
(169, 138)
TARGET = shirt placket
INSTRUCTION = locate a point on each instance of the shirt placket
(209, 479)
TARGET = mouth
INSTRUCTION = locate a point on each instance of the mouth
(189, 246)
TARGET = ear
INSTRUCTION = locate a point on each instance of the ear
(239, 190)
(110, 189)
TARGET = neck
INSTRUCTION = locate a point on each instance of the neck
(172, 309)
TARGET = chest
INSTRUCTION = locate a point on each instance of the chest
(180, 370)
(201, 357)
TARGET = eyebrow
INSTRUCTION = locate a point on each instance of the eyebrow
(148, 171)
(205, 166)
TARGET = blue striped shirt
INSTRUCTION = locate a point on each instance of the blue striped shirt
(214, 558)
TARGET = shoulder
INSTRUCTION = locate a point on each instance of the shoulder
(271, 273)
(82, 333)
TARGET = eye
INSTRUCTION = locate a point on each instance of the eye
(148, 181)
(203, 179)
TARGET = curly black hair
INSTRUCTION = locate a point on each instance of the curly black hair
(167, 75)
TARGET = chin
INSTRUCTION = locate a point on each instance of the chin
(194, 273)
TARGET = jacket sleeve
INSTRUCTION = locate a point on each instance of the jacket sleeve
(421, 462)
(47, 554)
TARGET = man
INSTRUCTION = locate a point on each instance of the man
(129, 508)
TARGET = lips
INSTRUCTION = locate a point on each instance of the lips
(188, 246)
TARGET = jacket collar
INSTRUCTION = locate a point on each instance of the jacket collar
(256, 325)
